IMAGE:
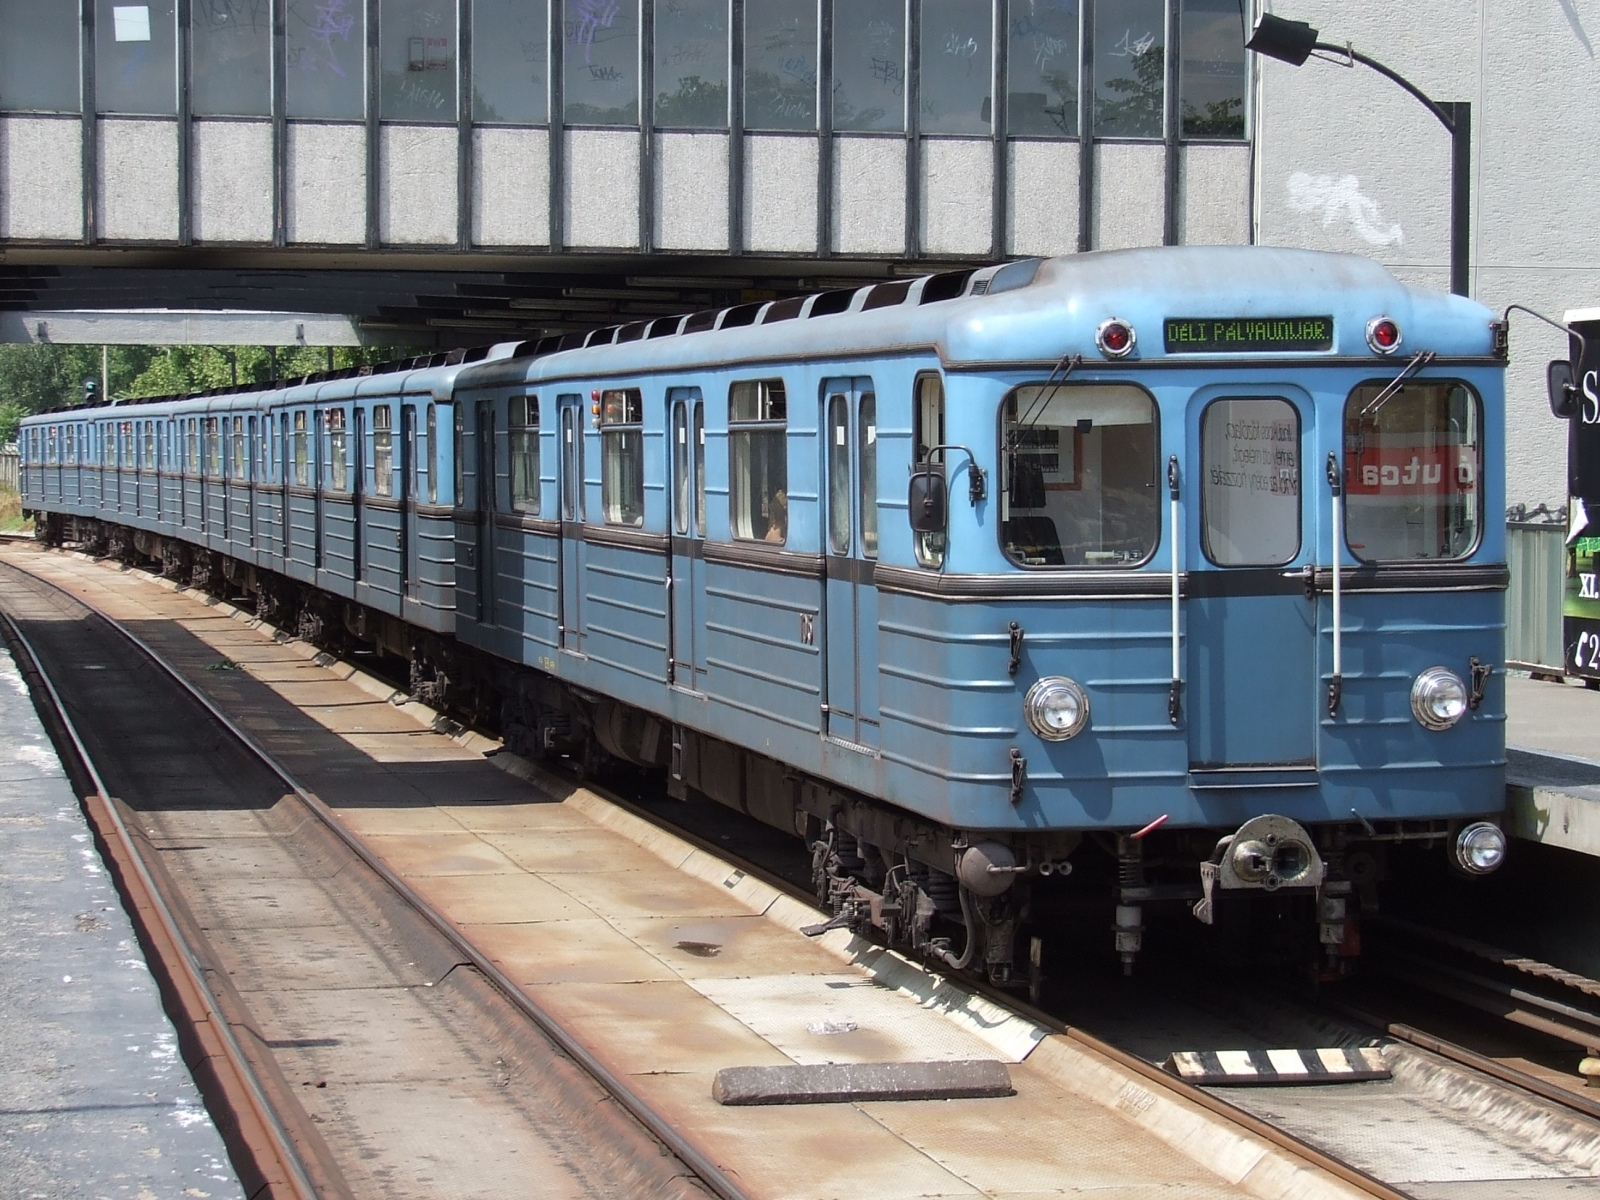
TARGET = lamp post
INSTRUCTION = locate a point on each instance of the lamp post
(1293, 41)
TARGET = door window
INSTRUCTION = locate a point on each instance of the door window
(699, 469)
(1250, 485)
(338, 452)
(571, 459)
(867, 455)
(838, 475)
(680, 468)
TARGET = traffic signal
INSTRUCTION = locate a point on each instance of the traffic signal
(91, 388)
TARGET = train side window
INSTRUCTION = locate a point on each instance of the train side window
(1078, 475)
(522, 429)
(758, 466)
(622, 456)
(1413, 467)
(1250, 481)
(928, 432)
(430, 453)
(298, 450)
(338, 451)
(241, 456)
(382, 450)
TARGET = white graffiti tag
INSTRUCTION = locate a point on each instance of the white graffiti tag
(1341, 200)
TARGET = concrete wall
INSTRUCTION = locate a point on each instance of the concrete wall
(1347, 161)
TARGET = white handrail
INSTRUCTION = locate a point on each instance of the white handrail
(1173, 707)
(1336, 684)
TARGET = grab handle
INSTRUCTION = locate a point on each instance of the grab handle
(1336, 684)
(1175, 693)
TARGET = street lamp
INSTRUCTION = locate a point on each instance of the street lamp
(1293, 41)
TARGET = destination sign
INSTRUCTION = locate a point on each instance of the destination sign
(1247, 335)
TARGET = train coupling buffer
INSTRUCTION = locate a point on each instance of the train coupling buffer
(1266, 853)
(1275, 1068)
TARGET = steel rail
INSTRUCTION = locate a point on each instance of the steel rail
(144, 899)
(1457, 1053)
(695, 1159)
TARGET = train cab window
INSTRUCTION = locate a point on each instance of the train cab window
(382, 450)
(928, 432)
(1413, 472)
(522, 428)
(338, 451)
(758, 464)
(298, 452)
(622, 456)
(429, 452)
(1078, 482)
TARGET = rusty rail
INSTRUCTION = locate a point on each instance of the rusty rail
(260, 1143)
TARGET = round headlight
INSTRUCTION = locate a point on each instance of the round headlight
(1056, 708)
(1438, 698)
(1480, 848)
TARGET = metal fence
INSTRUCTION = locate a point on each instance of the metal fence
(10, 468)
(1536, 555)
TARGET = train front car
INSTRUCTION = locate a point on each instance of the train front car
(1208, 588)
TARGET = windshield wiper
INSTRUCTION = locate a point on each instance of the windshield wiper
(1418, 360)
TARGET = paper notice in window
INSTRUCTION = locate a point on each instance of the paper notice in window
(131, 22)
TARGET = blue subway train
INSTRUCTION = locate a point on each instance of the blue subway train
(1179, 561)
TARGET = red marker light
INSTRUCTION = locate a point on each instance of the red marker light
(1383, 335)
(1115, 338)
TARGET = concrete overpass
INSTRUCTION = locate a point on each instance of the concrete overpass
(455, 171)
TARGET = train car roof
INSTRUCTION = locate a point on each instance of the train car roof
(1040, 311)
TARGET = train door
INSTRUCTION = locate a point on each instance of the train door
(570, 558)
(284, 455)
(485, 484)
(850, 617)
(686, 585)
(1252, 696)
(408, 500)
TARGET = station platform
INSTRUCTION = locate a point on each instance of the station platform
(1553, 763)
(94, 1098)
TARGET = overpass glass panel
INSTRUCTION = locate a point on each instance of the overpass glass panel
(957, 66)
(510, 62)
(39, 55)
(1211, 85)
(869, 66)
(1129, 50)
(417, 60)
(780, 64)
(327, 66)
(1042, 66)
(136, 57)
(692, 64)
(230, 62)
(602, 62)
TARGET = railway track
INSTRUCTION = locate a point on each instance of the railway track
(1326, 1153)
(249, 1081)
